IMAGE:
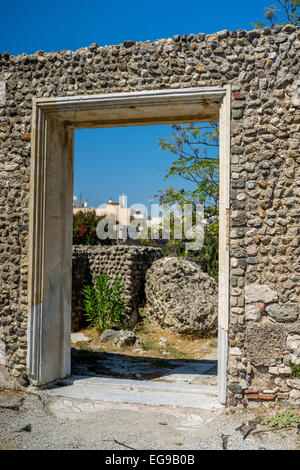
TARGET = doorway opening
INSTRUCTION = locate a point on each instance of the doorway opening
(54, 121)
(163, 324)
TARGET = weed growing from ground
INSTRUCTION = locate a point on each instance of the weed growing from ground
(104, 304)
(282, 419)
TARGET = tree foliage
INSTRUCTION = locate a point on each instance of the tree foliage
(196, 163)
(84, 228)
(282, 12)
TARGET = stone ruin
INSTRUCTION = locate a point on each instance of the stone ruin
(262, 69)
(128, 263)
(181, 297)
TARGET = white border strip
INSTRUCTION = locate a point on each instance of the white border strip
(224, 234)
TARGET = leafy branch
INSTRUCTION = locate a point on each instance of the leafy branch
(282, 13)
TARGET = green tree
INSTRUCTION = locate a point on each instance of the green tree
(282, 12)
(197, 163)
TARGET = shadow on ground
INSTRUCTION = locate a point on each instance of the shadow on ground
(108, 364)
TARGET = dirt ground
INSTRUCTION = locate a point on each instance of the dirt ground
(37, 421)
(158, 352)
(159, 343)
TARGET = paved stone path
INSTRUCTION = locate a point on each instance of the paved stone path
(145, 381)
(98, 389)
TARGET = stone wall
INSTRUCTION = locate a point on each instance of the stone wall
(262, 67)
(128, 263)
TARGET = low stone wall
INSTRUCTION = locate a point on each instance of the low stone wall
(129, 263)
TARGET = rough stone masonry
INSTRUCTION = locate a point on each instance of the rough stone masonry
(128, 263)
(180, 297)
(262, 67)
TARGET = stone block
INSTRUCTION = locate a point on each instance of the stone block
(2, 93)
(273, 370)
(295, 359)
(108, 335)
(284, 370)
(181, 297)
(264, 343)
(294, 383)
(235, 388)
(235, 352)
(77, 338)
(259, 293)
(253, 312)
(283, 313)
(293, 342)
(295, 394)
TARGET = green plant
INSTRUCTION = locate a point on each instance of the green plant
(84, 229)
(147, 345)
(295, 370)
(165, 252)
(282, 419)
(104, 304)
(174, 351)
(210, 249)
(197, 162)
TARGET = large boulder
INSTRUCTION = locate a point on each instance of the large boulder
(121, 338)
(181, 297)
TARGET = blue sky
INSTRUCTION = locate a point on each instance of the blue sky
(55, 25)
(109, 162)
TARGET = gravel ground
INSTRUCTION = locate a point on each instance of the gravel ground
(38, 421)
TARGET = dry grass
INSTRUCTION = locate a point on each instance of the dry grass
(177, 347)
